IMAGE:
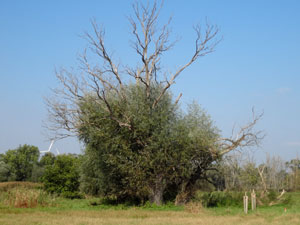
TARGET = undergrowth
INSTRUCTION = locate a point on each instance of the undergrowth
(23, 195)
(235, 199)
(5, 186)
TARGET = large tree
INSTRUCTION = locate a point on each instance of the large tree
(164, 147)
(137, 140)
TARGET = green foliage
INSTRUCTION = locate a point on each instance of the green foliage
(293, 181)
(272, 195)
(37, 173)
(271, 198)
(39, 169)
(5, 171)
(220, 198)
(22, 164)
(72, 195)
(163, 147)
(167, 206)
(47, 159)
(62, 177)
(19, 163)
(235, 199)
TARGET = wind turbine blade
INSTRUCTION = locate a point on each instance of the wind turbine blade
(50, 145)
(52, 142)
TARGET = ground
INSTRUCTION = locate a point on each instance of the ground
(78, 215)
(28, 204)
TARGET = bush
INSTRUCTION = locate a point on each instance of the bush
(271, 198)
(72, 195)
(63, 176)
(224, 198)
(220, 198)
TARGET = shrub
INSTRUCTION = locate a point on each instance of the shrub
(271, 198)
(63, 176)
(220, 198)
(72, 195)
(224, 198)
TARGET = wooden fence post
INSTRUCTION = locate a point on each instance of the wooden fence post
(253, 200)
(245, 203)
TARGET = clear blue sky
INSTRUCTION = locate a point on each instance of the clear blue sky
(257, 64)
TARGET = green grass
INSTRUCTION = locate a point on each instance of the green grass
(91, 211)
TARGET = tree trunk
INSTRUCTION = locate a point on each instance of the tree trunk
(181, 198)
(185, 194)
(156, 191)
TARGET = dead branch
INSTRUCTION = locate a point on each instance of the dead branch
(245, 137)
(261, 174)
(203, 46)
(147, 37)
(277, 201)
(178, 98)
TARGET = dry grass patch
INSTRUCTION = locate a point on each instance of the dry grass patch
(5, 186)
(23, 195)
(25, 198)
(137, 216)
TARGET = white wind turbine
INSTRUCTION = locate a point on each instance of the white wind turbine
(49, 149)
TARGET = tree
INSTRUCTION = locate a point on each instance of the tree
(38, 170)
(240, 172)
(293, 178)
(21, 162)
(62, 177)
(163, 151)
(47, 159)
(137, 141)
(4, 171)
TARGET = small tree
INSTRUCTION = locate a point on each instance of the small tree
(62, 177)
(39, 169)
(21, 162)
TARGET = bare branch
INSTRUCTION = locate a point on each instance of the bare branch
(150, 42)
(203, 46)
(178, 98)
(261, 174)
(98, 47)
(246, 137)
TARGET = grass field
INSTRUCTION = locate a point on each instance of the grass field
(143, 216)
(85, 212)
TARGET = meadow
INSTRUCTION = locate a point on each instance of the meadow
(28, 204)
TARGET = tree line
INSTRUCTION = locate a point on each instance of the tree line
(59, 174)
(68, 174)
(240, 172)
